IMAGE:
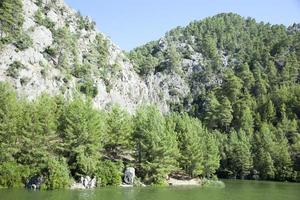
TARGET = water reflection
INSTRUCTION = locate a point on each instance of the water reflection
(234, 190)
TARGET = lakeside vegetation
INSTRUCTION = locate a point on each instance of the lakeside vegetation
(241, 119)
(63, 140)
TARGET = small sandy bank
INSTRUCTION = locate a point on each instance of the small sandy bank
(191, 182)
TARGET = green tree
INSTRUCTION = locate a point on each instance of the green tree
(239, 154)
(156, 145)
(57, 174)
(232, 85)
(225, 113)
(119, 132)
(263, 150)
(9, 115)
(81, 130)
(211, 108)
(211, 155)
(191, 139)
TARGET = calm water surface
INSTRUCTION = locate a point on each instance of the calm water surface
(234, 190)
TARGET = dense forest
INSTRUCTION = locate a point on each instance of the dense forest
(240, 120)
(245, 89)
(62, 140)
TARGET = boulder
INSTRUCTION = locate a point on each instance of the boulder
(35, 182)
(129, 176)
(85, 183)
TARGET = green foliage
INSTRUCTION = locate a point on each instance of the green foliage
(43, 20)
(88, 88)
(156, 145)
(82, 129)
(23, 41)
(14, 69)
(119, 131)
(85, 22)
(239, 154)
(109, 173)
(58, 174)
(51, 51)
(11, 19)
(191, 135)
(13, 175)
(247, 88)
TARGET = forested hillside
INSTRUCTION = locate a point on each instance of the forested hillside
(217, 98)
(244, 83)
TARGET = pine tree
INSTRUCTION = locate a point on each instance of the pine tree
(9, 115)
(211, 155)
(225, 113)
(239, 154)
(211, 108)
(232, 85)
(156, 145)
(244, 73)
(82, 129)
(191, 139)
(119, 132)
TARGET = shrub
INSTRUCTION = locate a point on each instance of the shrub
(14, 69)
(51, 51)
(88, 89)
(57, 174)
(109, 173)
(13, 175)
(79, 71)
(43, 21)
(23, 42)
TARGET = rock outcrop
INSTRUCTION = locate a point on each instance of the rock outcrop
(62, 40)
(66, 55)
(85, 183)
(129, 176)
(35, 182)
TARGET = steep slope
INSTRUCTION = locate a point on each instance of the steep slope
(58, 51)
(189, 63)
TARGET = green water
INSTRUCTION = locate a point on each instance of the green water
(234, 190)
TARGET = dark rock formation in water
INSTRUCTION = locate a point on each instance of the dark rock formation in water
(35, 182)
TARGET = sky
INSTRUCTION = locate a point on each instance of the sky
(131, 23)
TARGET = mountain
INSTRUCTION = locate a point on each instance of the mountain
(225, 98)
(58, 51)
(202, 56)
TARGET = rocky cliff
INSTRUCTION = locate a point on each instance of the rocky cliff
(64, 54)
(58, 51)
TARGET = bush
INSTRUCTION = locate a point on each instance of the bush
(14, 69)
(43, 21)
(51, 51)
(57, 173)
(88, 89)
(23, 42)
(109, 173)
(13, 175)
(79, 71)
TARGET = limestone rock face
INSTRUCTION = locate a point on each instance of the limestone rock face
(63, 40)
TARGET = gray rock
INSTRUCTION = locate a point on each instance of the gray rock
(35, 182)
(129, 176)
(85, 183)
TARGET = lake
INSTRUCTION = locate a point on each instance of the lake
(234, 190)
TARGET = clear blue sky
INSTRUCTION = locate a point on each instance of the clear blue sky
(131, 23)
